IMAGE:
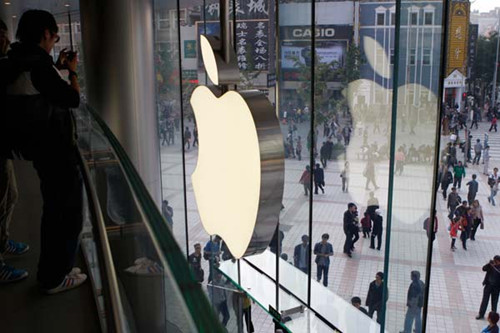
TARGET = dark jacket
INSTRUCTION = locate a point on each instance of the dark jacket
(473, 186)
(296, 255)
(374, 297)
(35, 118)
(317, 250)
(492, 276)
(377, 224)
(319, 175)
(348, 221)
(415, 295)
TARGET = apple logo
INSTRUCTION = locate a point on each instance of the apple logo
(409, 107)
(239, 177)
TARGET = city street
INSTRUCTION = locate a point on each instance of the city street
(456, 289)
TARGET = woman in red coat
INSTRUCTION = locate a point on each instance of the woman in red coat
(305, 179)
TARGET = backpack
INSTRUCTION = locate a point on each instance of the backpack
(491, 181)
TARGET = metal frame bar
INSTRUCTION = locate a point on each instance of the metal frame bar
(116, 319)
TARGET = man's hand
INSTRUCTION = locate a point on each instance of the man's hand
(4, 42)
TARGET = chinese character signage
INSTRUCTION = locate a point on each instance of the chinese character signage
(252, 42)
(471, 61)
(458, 37)
(245, 10)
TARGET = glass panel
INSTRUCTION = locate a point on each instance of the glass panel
(353, 122)
(169, 119)
(412, 181)
(148, 285)
(294, 106)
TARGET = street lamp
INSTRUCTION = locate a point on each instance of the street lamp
(495, 69)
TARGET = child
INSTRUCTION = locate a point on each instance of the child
(453, 228)
(366, 224)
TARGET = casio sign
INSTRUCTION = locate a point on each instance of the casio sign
(320, 32)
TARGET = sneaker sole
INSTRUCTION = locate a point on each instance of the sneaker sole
(61, 290)
(22, 277)
(9, 254)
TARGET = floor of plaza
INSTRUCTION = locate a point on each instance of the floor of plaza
(455, 290)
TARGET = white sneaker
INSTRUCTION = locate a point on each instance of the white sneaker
(72, 280)
(145, 266)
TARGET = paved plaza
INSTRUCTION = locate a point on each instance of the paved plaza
(455, 291)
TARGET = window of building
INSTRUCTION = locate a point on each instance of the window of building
(380, 18)
(163, 19)
(393, 18)
(413, 56)
(392, 56)
(429, 18)
(427, 56)
(414, 18)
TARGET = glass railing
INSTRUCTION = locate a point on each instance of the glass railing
(141, 278)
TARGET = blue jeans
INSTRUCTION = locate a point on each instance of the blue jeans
(323, 269)
(413, 313)
(492, 196)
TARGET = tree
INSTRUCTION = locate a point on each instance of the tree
(325, 102)
(486, 52)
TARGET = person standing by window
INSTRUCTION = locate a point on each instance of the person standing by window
(375, 296)
(323, 250)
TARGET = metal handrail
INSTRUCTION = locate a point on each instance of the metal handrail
(117, 312)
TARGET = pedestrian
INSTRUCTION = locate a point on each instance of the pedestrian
(323, 154)
(323, 250)
(453, 229)
(301, 254)
(478, 148)
(369, 174)
(344, 174)
(491, 285)
(459, 173)
(246, 309)
(464, 227)
(187, 138)
(473, 188)
(168, 213)
(477, 218)
(305, 180)
(42, 88)
(298, 148)
(194, 261)
(492, 323)
(377, 230)
(366, 224)
(349, 219)
(414, 302)
(400, 161)
(356, 302)
(8, 199)
(218, 297)
(319, 179)
(453, 201)
(375, 297)
(195, 136)
(431, 233)
(486, 159)
(446, 180)
(211, 253)
(493, 180)
(493, 123)
(276, 244)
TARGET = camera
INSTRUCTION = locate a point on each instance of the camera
(70, 55)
